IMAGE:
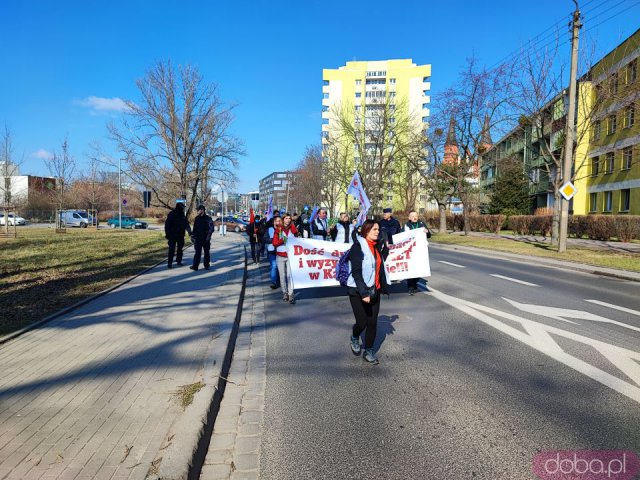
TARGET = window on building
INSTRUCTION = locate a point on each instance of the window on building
(358, 95)
(425, 105)
(425, 93)
(629, 116)
(376, 81)
(597, 130)
(325, 95)
(325, 121)
(392, 120)
(325, 108)
(325, 83)
(609, 162)
(324, 134)
(392, 81)
(632, 71)
(425, 79)
(424, 198)
(358, 108)
(613, 86)
(392, 94)
(358, 82)
(608, 201)
(625, 199)
(425, 119)
(389, 198)
(599, 91)
(612, 124)
(593, 202)
(627, 158)
(595, 164)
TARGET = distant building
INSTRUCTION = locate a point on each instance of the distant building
(276, 184)
(21, 188)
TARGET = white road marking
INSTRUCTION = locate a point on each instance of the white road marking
(563, 313)
(452, 264)
(539, 337)
(615, 307)
(514, 280)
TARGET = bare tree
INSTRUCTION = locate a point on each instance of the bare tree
(307, 182)
(478, 103)
(437, 177)
(61, 167)
(177, 136)
(8, 168)
(377, 136)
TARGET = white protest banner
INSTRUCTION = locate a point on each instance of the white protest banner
(408, 256)
(313, 262)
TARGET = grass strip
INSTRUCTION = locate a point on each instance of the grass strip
(578, 254)
(42, 271)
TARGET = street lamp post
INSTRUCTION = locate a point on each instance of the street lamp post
(119, 193)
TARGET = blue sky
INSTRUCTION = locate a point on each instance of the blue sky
(60, 58)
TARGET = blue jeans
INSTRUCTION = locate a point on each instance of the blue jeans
(273, 274)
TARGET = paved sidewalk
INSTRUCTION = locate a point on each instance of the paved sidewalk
(96, 393)
(234, 451)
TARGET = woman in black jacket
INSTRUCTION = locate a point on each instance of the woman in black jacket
(367, 281)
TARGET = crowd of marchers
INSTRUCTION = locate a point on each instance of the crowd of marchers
(369, 249)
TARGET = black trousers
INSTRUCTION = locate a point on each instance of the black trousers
(255, 251)
(366, 318)
(173, 243)
(200, 245)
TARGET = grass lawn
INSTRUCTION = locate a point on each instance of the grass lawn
(610, 259)
(42, 272)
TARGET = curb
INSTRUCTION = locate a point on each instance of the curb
(76, 305)
(546, 262)
(185, 452)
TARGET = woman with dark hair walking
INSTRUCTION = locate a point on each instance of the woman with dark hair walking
(367, 281)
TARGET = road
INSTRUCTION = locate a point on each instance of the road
(497, 361)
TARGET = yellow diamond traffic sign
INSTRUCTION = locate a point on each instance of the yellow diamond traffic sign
(568, 190)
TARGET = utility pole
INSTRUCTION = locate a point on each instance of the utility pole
(570, 129)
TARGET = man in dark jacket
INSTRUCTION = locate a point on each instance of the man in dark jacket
(389, 226)
(255, 232)
(174, 228)
(202, 230)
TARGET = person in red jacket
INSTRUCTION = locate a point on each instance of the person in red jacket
(284, 230)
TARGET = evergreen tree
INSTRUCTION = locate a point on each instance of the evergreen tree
(511, 189)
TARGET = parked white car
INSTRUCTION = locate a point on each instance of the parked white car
(13, 219)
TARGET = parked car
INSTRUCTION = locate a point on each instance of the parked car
(13, 219)
(76, 218)
(127, 222)
(232, 224)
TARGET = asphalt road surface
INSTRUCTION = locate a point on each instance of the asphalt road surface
(497, 361)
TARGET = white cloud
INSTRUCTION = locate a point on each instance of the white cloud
(101, 104)
(42, 154)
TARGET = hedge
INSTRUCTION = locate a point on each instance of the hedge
(594, 227)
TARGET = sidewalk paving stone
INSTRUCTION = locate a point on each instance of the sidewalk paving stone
(95, 393)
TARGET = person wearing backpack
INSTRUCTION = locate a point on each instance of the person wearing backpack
(267, 239)
(366, 282)
(415, 224)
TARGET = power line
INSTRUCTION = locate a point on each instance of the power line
(537, 45)
(591, 27)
